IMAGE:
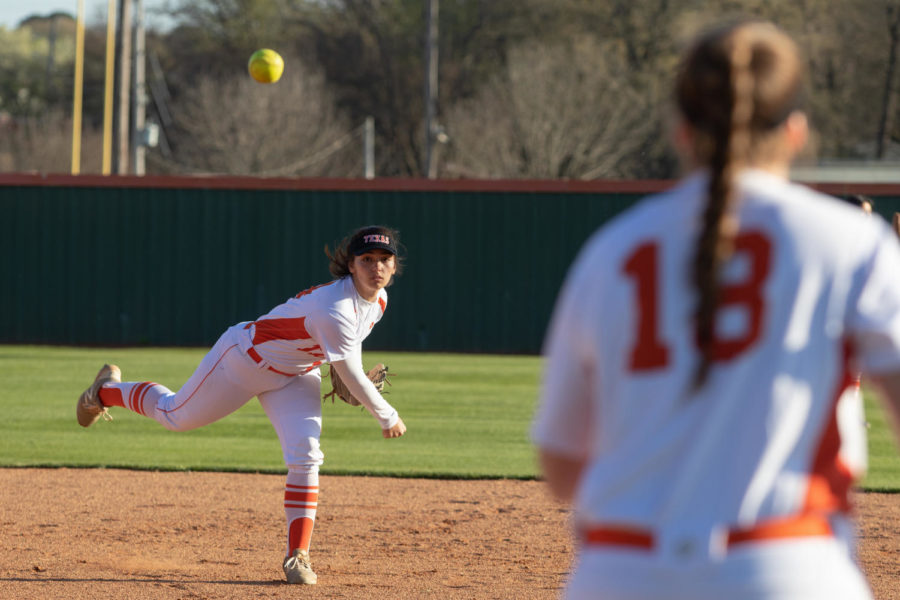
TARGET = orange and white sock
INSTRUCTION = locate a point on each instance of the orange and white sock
(301, 498)
(141, 397)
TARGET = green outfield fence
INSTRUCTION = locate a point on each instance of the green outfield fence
(120, 260)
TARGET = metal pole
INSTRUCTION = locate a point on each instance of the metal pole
(79, 90)
(431, 85)
(138, 92)
(123, 82)
(108, 96)
(369, 142)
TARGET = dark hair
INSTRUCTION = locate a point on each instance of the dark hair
(735, 86)
(340, 257)
(860, 200)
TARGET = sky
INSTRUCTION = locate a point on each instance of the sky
(13, 11)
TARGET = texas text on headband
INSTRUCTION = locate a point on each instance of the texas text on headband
(372, 238)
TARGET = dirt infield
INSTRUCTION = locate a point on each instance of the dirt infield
(98, 534)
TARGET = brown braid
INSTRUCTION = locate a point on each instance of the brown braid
(719, 93)
(730, 140)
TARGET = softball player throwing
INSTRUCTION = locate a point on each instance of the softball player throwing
(698, 350)
(276, 358)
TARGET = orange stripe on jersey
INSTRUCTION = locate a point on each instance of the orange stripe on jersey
(313, 366)
(310, 349)
(830, 479)
(280, 329)
(313, 288)
(382, 303)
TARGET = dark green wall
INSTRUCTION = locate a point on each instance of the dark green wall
(110, 264)
(177, 266)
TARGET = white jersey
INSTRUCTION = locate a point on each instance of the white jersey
(326, 323)
(811, 294)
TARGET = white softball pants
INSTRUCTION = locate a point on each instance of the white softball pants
(225, 380)
(799, 569)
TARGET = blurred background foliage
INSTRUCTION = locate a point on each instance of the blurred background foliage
(573, 89)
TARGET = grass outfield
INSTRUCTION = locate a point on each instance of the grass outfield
(468, 417)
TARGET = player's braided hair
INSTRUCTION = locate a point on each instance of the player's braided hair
(735, 86)
(339, 258)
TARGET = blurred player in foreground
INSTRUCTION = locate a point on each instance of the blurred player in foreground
(276, 358)
(698, 350)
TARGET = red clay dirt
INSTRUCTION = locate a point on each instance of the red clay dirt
(114, 534)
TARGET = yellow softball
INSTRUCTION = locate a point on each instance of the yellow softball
(265, 66)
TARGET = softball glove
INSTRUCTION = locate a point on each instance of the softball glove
(377, 375)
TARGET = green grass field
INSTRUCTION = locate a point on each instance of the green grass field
(468, 417)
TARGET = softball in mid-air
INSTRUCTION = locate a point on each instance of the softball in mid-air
(265, 66)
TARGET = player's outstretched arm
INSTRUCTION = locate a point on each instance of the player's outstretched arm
(562, 473)
(396, 431)
(351, 373)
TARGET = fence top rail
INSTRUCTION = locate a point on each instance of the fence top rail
(389, 184)
(393, 184)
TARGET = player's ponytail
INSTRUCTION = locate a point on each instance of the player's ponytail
(338, 259)
(719, 225)
(736, 85)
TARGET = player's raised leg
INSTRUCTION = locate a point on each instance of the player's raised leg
(223, 382)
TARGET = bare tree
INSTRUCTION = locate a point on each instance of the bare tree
(563, 111)
(240, 127)
(493, 84)
(43, 144)
(888, 110)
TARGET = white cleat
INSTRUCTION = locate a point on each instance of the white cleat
(89, 407)
(298, 569)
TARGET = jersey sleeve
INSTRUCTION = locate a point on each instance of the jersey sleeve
(562, 423)
(351, 372)
(335, 333)
(873, 320)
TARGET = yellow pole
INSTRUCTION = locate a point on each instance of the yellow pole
(79, 86)
(108, 101)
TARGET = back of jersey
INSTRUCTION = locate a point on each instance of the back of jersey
(808, 284)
